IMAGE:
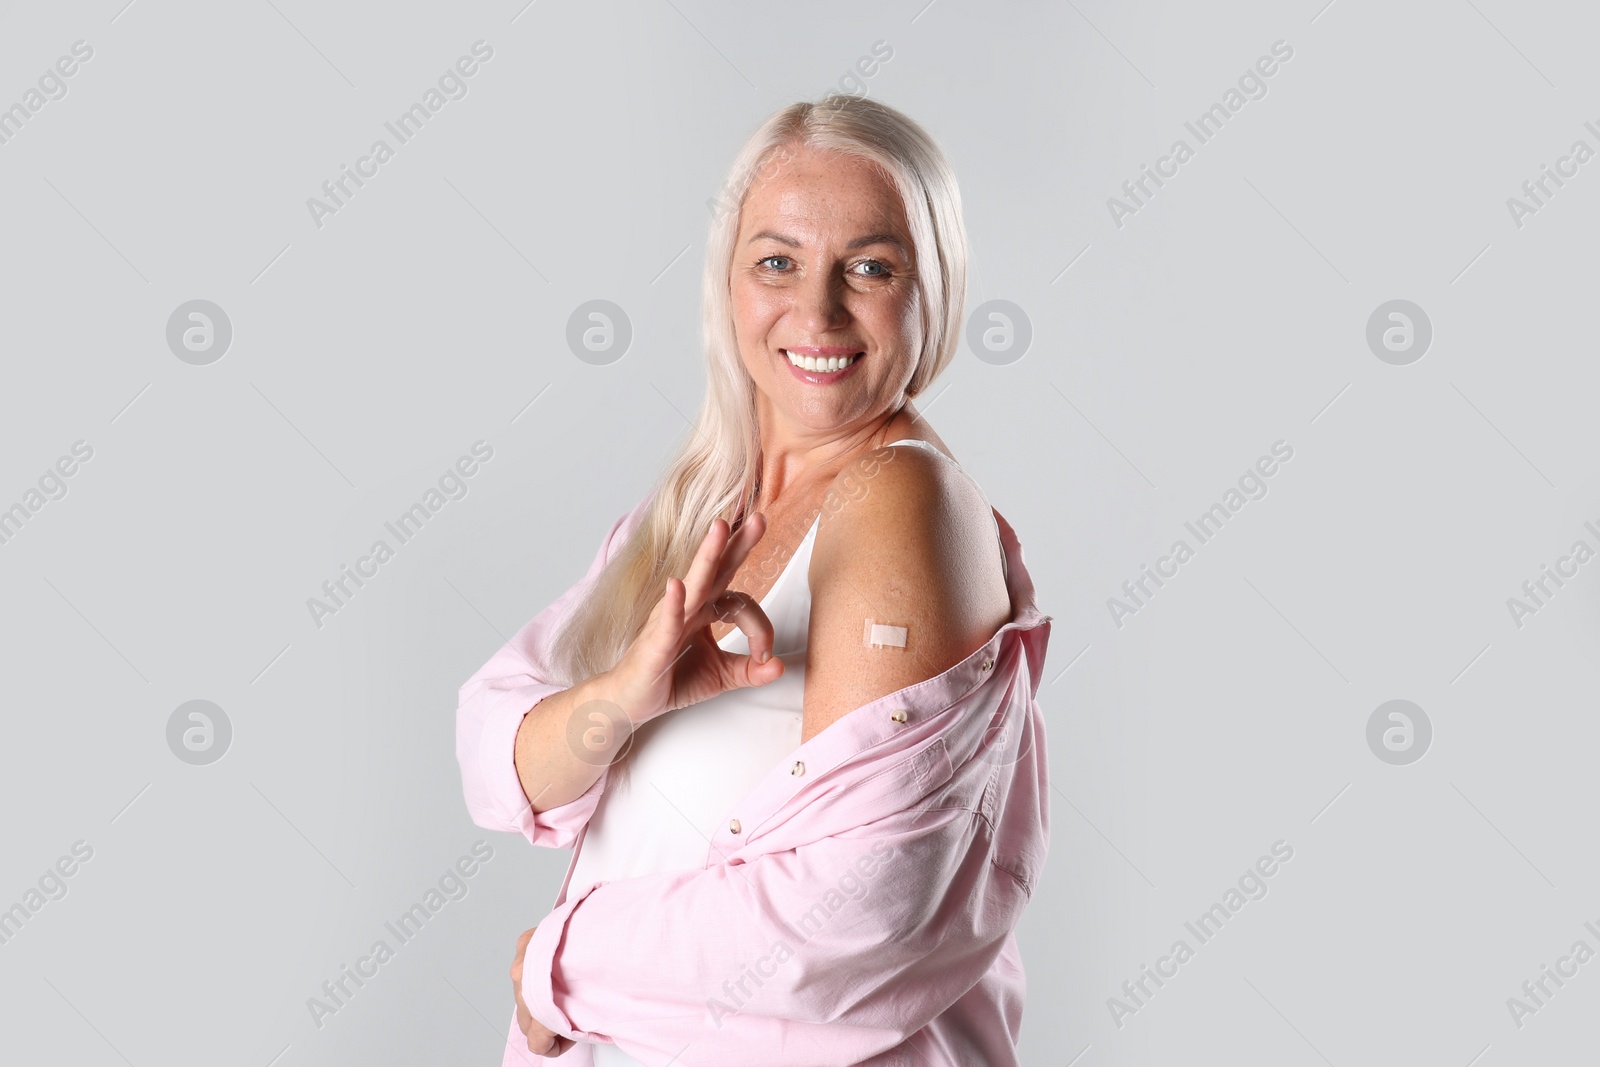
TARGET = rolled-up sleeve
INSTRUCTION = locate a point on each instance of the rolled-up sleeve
(492, 705)
(833, 952)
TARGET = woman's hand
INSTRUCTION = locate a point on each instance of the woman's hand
(674, 661)
(541, 1042)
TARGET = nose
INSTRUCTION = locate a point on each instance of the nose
(819, 308)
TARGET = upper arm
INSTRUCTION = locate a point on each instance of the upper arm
(913, 546)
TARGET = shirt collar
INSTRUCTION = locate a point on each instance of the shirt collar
(890, 727)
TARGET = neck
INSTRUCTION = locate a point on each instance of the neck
(790, 466)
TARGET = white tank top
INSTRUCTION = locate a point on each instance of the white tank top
(689, 769)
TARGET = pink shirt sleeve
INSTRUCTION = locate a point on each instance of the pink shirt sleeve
(492, 704)
(831, 952)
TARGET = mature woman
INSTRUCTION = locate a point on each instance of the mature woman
(787, 721)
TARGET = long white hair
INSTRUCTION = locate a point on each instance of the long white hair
(715, 470)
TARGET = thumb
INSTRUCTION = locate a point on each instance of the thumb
(748, 673)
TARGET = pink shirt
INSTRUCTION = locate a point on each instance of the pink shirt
(860, 912)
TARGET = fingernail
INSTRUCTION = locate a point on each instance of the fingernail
(763, 656)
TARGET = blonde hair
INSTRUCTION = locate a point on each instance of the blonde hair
(716, 468)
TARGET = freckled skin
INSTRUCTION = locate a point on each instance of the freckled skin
(823, 293)
(913, 543)
(918, 550)
(904, 537)
(820, 292)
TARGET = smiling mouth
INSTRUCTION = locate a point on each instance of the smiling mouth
(820, 364)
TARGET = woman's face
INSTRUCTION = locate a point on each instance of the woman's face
(823, 267)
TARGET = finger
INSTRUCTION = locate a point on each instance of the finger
(744, 612)
(665, 628)
(730, 557)
(703, 568)
(737, 550)
(541, 1041)
(516, 960)
(537, 1038)
(743, 672)
(725, 607)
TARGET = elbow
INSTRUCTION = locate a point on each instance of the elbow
(485, 804)
(482, 807)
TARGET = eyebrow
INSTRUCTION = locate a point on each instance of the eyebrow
(859, 242)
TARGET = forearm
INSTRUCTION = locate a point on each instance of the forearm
(563, 746)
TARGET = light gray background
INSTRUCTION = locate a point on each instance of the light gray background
(369, 354)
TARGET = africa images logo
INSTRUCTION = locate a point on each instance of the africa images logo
(452, 86)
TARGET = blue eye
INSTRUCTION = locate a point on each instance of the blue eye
(882, 270)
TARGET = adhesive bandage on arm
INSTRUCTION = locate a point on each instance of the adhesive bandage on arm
(883, 635)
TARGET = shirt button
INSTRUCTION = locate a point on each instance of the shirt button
(733, 826)
(986, 666)
(898, 715)
(798, 768)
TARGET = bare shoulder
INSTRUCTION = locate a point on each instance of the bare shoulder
(907, 541)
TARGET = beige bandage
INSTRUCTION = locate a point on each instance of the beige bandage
(883, 635)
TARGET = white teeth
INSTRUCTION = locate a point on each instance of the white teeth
(811, 363)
